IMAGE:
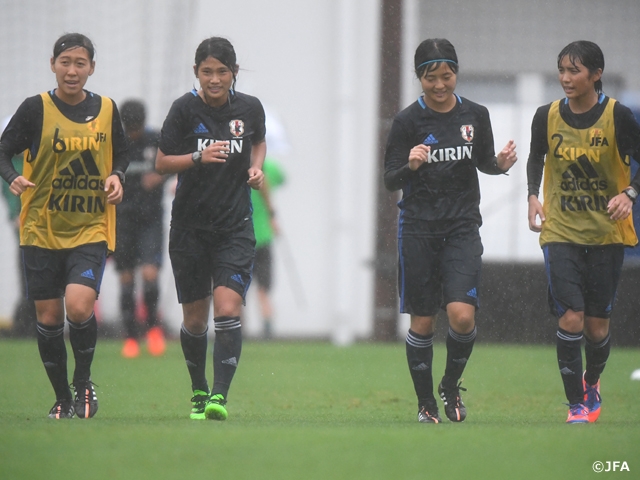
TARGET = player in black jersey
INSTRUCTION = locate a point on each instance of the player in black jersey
(214, 139)
(140, 231)
(583, 144)
(75, 155)
(435, 147)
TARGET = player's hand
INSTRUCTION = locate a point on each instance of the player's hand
(256, 178)
(620, 207)
(19, 185)
(217, 152)
(418, 155)
(535, 211)
(114, 189)
(507, 156)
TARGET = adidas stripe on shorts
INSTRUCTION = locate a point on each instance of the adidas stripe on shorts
(48, 272)
(433, 272)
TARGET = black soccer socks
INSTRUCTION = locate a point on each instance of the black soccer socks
(596, 356)
(226, 353)
(151, 294)
(420, 360)
(194, 348)
(459, 348)
(570, 364)
(128, 308)
(83, 337)
(53, 353)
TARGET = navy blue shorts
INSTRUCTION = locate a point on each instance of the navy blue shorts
(203, 260)
(433, 272)
(583, 279)
(48, 272)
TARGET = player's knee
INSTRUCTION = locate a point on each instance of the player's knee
(572, 321)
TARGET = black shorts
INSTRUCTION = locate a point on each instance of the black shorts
(137, 243)
(433, 272)
(48, 272)
(199, 258)
(262, 267)
(583, 279)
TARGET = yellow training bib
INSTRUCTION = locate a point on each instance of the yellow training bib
(583, 170)
(68, 206)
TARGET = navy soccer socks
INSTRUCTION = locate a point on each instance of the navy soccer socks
(194, 348)
(226, 353)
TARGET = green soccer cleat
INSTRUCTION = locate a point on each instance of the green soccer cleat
(198, 402)
(215, 408)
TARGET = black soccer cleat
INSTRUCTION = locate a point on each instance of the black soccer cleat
(86, 402)
(429, 415)
(62, 409)
(453, 406)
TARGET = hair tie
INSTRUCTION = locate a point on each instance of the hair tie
(437, 60)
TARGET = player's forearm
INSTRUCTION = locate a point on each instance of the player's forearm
(173, 163)
(258, 154)
(7, 171)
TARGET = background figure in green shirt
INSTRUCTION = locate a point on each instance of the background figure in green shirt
(266, 228)
(24, 315)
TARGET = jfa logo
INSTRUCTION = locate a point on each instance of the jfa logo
(236, 127)
(597, 138)
(608, 466)
(467, 132)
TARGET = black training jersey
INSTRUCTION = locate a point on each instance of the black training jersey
(443, 194)
(145, 205)
(25, 130)
(214, 196)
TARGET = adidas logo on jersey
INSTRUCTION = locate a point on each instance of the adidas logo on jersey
(200, 129)
(81, 174)
(88, 274)
(582, 177)
(430, 140)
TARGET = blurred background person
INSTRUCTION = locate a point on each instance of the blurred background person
(24, 314)
(266, 228)
(140, 234)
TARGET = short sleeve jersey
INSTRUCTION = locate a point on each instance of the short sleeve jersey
(443, 194)
(213, 197)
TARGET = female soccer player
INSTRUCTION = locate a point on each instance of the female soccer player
(583, 144)
(214, 139)
(434, 148)
(75, 158)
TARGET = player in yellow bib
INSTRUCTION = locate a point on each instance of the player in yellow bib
(75, 156)
(583, 144)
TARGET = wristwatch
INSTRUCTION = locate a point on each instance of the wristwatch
(118, 174)
(196, 157)
(631, 193)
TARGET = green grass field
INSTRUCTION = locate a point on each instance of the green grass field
(314, 411)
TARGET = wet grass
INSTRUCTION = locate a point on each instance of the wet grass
(314, 411)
